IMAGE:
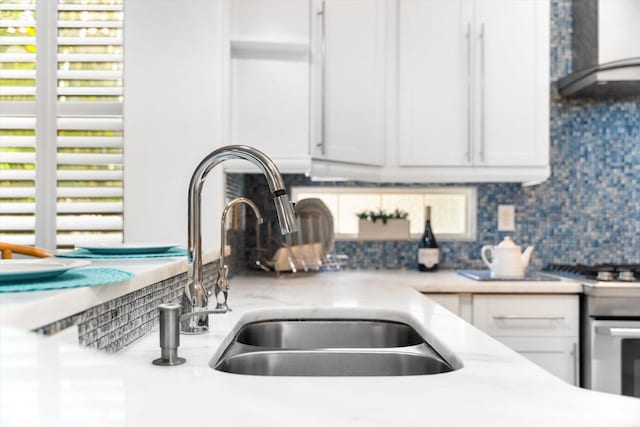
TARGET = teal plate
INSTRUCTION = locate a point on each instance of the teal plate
(129, 248)
(17, 270)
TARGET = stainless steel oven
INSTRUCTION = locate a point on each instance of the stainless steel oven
(615, 356)
(609, 326)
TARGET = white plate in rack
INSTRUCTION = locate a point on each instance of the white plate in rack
(14, 270)
(316, 223)
(129, 248)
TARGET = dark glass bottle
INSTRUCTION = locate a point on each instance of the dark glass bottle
(428, 251)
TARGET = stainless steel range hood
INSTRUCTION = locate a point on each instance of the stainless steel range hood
(605, 49)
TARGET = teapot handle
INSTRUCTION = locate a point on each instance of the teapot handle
(483, 255)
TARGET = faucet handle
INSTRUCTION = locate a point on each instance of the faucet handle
(222, 288)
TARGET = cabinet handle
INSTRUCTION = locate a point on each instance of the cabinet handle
(526, 317)
(323, 56)
(576, 368)
(482, 84)
(468, 36)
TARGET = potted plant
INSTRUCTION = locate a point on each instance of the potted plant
(380, 225)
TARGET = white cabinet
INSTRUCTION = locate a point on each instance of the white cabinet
(458, 304)
(393, 90)
(526, 315)
(473, 83)
(449, 301)
(511, 82)
(557, 355)
(542, 328)
(348, 81)
(268, 81)
(434, 83)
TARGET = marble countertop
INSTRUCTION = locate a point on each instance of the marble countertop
(48, 306)
(52, 382)
(30, 310)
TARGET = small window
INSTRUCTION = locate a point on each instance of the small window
(453, 209)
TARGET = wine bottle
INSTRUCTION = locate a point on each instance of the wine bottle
(428, 251)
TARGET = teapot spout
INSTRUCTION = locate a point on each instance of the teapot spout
(526, 256)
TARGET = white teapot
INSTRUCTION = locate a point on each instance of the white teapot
(506, 259)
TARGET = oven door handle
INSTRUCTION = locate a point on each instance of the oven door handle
(618, 332)
(525, 317)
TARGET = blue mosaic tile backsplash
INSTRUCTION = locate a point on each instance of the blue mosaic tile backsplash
(588, 211)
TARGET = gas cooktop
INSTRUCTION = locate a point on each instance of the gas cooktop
(628, 273)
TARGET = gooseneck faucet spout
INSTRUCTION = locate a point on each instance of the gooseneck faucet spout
(195, 296)
(221, 291)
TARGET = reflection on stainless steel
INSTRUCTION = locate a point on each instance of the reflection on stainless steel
(221, 291)
(329, 334)
(333, 363)
(338, 347)
(195, 296)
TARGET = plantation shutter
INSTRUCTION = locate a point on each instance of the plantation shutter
(89, 139)
(17, 122)
(86, 130)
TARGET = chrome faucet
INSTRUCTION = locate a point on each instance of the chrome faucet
(221, 291)
(195, 297)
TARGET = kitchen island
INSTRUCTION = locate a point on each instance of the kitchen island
(53, 382)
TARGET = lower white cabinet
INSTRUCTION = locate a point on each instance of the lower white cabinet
(458, 304)
(543, 328)
(558, 355)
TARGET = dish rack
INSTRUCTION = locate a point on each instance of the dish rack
(308, 250)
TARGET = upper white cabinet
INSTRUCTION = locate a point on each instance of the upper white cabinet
(349, 58)
(512, 75)
(393, 90)
(474, 84)
(268, 81)
(435, 72)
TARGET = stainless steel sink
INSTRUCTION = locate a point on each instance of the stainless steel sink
(314, 334)
(330, 347)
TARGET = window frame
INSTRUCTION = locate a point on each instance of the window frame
(470, 193)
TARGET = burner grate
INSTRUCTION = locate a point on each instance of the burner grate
(602, 272)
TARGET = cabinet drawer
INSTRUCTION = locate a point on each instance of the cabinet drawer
(526, 315)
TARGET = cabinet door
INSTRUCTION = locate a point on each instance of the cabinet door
(512, 75)
(348, 81)
(269, 81)
(435, 105)
(449, 301)
(558, 356)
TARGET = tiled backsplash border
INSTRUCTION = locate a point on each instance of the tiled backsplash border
(115, 324)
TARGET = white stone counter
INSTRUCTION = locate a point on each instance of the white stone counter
(47, 383)
(30, 310)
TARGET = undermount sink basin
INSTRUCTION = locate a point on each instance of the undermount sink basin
(314, 334)
(330, 347)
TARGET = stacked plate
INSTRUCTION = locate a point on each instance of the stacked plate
(129, 248)
(12, 270)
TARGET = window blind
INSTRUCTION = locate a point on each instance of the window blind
(86, 125)
(17, 121)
